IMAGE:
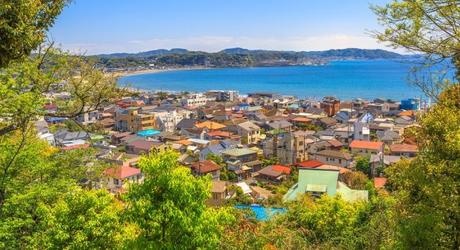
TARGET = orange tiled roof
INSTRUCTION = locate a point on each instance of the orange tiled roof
(403, 148)
(301, 119)
(219, 133)
(210, 125)
(407, 113)
(80, 146)
(310, 164)
(281, 169)
(375, 145)
(185, 142)
(205, 166)
(121, 172)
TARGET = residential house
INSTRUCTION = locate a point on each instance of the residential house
(384, 161)
(66, 138)
(361, 129)
(388, 136)
(274, 173)
(334, 157)
(206, 167)
(366, 147)
(242, 161)
(210, 125)
(320, 181)
(217, 148)
(117, 177)
(309, 164)
(405, 150)
(250, 132)
(142, 146)
(219, 192)
(186, 123)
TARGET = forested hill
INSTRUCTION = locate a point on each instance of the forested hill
(236, 57)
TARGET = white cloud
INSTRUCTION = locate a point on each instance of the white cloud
(216, 43)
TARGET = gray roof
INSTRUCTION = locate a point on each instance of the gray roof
(249, 126)
(64, 135)
(335, 154)
(238, 152)
(186, 123)
(280, 124)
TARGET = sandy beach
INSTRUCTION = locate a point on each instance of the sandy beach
(149, 71)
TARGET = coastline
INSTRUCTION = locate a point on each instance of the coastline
(151, 71)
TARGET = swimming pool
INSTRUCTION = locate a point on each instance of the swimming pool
(262, 213)
(148, 132)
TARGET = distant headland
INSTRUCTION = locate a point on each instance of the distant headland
(233, 57)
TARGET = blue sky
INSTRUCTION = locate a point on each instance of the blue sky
(106, 26)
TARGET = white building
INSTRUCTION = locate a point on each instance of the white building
(196, 100)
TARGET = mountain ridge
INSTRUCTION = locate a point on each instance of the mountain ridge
(236, 57)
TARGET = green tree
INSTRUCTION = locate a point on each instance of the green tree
(42, 204)
(427, 191)
(82, 220)
(363, 165)
(355, 179)
(429, 27)
(169, 206)
(216, 158)
(427, 188)
(23, 26)
(328, 220)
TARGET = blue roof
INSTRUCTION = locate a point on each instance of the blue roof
(148, 132)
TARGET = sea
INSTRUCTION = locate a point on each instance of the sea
(347, 80)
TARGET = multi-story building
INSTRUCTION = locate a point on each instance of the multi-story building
(167, 117)
(330, 105)
(196, 100)
(289, 148)
(224, 95)
(130, 119)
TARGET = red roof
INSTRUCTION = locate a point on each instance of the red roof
(375, 145)
(80, 146)
(205, 166)
(219, 133)
(122, 172)
(281, 169)
(379, 182)
(335, 143)
(301, 119)
(310, 164)
(408, 148)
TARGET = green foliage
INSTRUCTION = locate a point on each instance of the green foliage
(429, 27)
(355, 179)
(230, 58)
(363, 165)
(23, 26)
(81, 220)
(328, 219)
(428, 209)
(216, 158)
(169, 206)
(23, 87)
(42, 206)
(239, 197)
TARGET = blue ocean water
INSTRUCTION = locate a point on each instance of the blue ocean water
(343, 79)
